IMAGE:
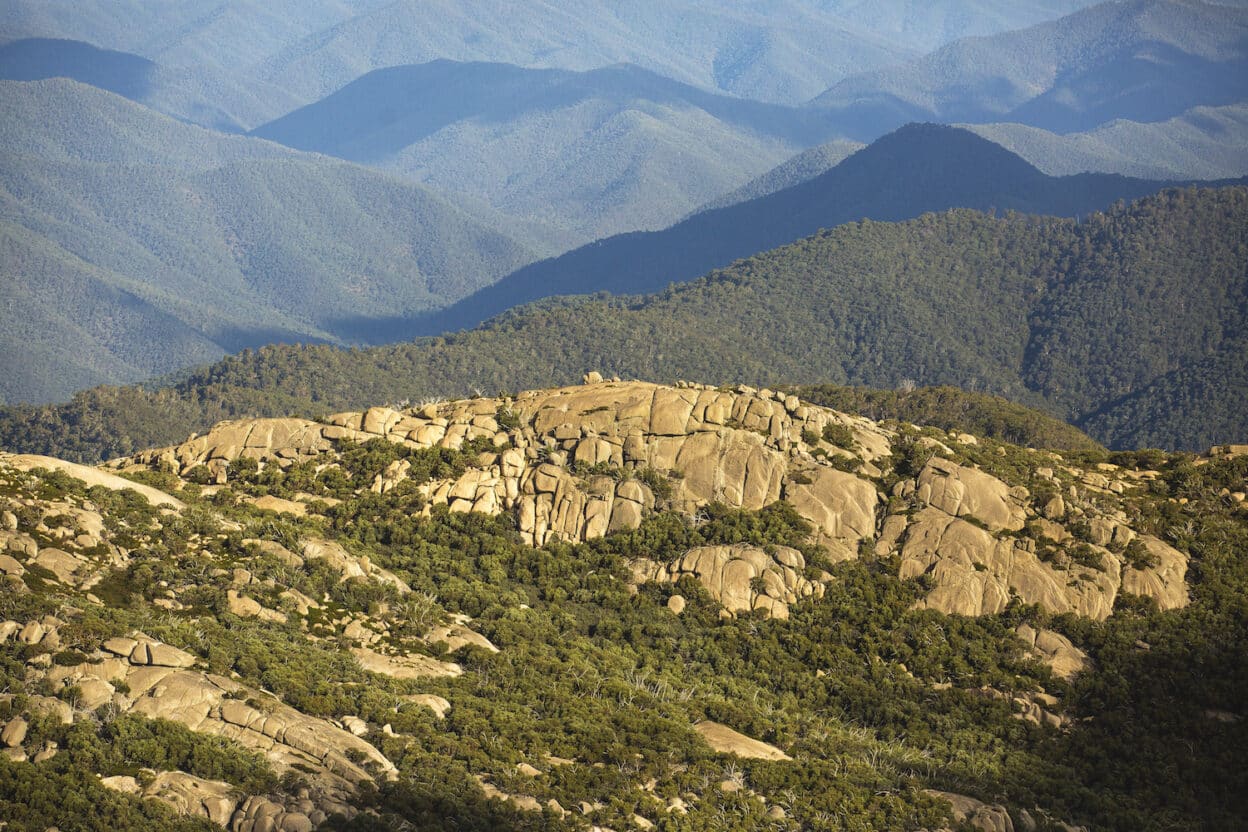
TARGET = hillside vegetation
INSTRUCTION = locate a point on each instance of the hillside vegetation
(918, 168)
(1204, 142)
(1144, 60)
(1147, 294)
(145, 245)
(422, 619)
(207, 95)
(599, 152)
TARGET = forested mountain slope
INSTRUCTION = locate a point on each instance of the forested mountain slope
(1202, 143)
(1144, 60)
(600, 152)
(145, 245)
(206, 95)
(921, 167)
(1079, 318)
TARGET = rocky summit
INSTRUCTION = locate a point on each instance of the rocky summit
(613, 605)
(577, 463)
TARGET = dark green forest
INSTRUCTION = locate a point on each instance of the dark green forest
(1103, 323)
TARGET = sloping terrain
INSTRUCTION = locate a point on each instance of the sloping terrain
(1146, 292)
(795, 170)
(1204, 142)
(621, 604)
(921, 167)
(145, 245)
(599, 152)
(781, 50)
(1143, 60)
(208, 96)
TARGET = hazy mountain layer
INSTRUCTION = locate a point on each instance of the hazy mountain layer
(792, 171)
(1143, 60)
(598, 152)
(918, 168)
(206, 95)
(144, 245)
(781, 50)
(1204, 143)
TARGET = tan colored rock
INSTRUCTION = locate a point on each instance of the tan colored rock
(433, 702)
(32, 633)
(1165, 582)
(151, 652)
(123, 783)
(277, 550)
(14, 732)
(840, 505)
(65, 566)
(120, 646)
(194, 797)
(51, 706)
(727, 741)
(94, 692)
(404, 667)
(967, 492)
(348, 565)
(741, 577)
(456, 634)
(976, 574)
(676, 604)
(1054, 649)
(247, 607)
(91, 476)
(241, 605)
(277, 504)
(19, 543)
(980, 815)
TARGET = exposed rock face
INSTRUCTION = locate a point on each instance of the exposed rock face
(91, 476)
(1054, 649)
(348, 565)
(965, 492)
(163, 684)
(733, 447)
(220, 803)
(741, 578)
(976, 573)
(1166, 581)
(982, 816)
(580, 462)
(840, 505)
(727, 741)
(403, 667)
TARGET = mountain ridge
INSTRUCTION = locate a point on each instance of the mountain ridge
(205, 243)
(1145, 60)
(867, 303)
(915, 169)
